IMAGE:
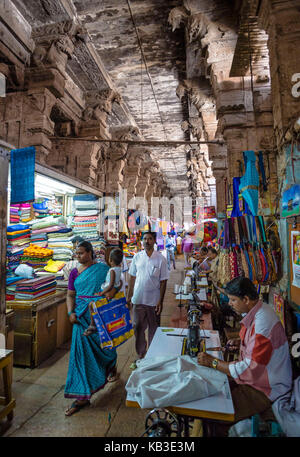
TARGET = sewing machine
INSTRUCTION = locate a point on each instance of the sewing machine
(193, 343)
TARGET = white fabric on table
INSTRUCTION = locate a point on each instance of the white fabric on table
(170, 381)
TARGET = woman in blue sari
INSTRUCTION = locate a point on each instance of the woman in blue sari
(90, 367)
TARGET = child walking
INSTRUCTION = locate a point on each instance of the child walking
(113, 280)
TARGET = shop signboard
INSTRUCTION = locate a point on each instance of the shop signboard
(291, 201)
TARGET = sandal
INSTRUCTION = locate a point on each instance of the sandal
(76, 407)
(112, 376)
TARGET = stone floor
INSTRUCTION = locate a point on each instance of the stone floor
(40, 402)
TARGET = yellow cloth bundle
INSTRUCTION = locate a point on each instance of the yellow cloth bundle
(53, 266)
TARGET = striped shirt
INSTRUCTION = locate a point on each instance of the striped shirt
(264, 361)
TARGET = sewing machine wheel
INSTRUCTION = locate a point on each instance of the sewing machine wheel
(161, 422)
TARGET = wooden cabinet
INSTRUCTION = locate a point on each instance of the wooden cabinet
(64, 327)
(9, 344)
(39, 328)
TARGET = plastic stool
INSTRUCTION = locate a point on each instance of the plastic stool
(265, 429)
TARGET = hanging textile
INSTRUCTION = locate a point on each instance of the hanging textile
(262, 170)
(237, 210)
(22, 167)
(249, 183)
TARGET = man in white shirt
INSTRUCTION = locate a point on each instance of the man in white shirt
(148, 275)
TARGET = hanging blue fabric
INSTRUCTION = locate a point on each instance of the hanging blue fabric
(249, 182)
(262, 170)
(236, 204)
(22, 167)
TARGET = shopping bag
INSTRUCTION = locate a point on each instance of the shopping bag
(112, 319)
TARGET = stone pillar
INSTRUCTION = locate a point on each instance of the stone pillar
(281, 21)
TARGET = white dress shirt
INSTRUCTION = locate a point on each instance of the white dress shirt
(149, 272)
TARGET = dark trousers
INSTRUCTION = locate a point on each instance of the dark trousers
(144, 317)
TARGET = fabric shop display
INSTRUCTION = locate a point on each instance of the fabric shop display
(248, 250)
(33, 289)
(85, 216)
(20, 213)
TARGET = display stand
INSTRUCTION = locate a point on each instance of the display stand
(41, 325)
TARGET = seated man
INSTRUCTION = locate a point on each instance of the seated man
(263, 372)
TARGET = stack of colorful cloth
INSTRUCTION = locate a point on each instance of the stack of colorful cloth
(11, 284)
(47, 225)
(54, 208)
(40, 207)
(99, 247)
(36, 257)
(37, 288)
(86, 216)
(14, 216)
(18, 239)
(20, 212)
(61, 244)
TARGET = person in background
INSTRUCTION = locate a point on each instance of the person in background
(148, 275)
(213, 261)
(170, 247)
(263, 372)
(90, 367)
(74, 263)
(202, 265)
(187, 248)
(178, 244)
(112, 283)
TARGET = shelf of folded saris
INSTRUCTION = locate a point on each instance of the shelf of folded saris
(40, 327)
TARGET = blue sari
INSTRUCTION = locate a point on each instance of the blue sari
(89, 365)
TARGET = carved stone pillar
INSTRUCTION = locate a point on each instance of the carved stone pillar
(281, 21)
(98, 108)
(221, 178)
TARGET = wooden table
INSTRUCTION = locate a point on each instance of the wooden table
(6, 401)
(215, 407)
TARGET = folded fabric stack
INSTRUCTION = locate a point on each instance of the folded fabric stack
(11, 284)
(61, 243)
(18, 238)
(54, 208)
(99, 248)
(47, 225)
(36, 257)
(33, 289)
(20, 213)
(40, 239)
(14, 214)
(55, 267)
(86, 215)
(40, 207)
